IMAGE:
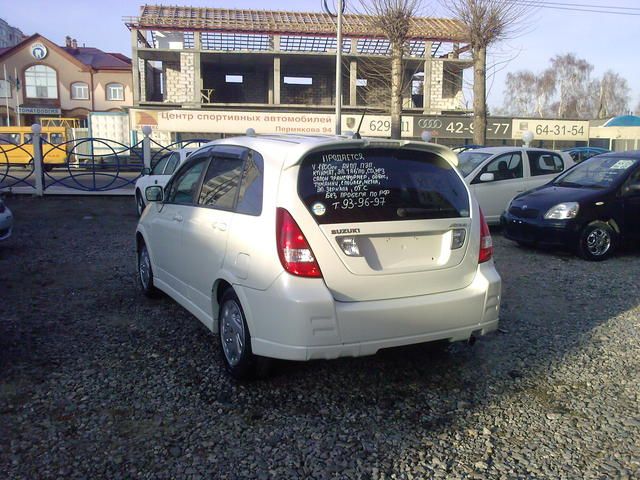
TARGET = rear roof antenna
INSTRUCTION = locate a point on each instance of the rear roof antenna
(357, 134)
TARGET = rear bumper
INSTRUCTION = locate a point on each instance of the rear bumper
(559, 233)
(298, 319)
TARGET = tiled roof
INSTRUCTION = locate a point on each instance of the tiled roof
(99, 60)
(84, 57)
(262, 21)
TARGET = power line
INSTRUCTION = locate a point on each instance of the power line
(576, 7)
(588, 5)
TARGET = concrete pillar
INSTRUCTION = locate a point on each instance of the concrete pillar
(135, 65)
(197, 78)
(353, 77)
(276, 80)
(38, 169)
(270, 85)
(426, 86)
(276, 43)
(354, 46)
(197, 68)
(146, 146)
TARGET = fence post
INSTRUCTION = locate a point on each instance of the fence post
(146, 146)
(37, 158)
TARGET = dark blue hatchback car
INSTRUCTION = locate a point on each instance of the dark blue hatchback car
(590, 208)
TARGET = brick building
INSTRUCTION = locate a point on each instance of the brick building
(198, 59)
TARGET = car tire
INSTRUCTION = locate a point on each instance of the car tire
(598, 241)
(235, 340)
(140, 205)
(145, 273)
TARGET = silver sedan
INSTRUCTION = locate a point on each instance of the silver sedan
(6, 221)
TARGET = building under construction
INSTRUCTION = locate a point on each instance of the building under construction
(211, 58)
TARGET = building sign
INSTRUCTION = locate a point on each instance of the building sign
(456, 126)
(39, 110)
(225, 121)
(551, 129)
(375, 125)
(38, 51)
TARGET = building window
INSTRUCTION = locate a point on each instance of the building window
(79, 91)
(5, 89)
(41, 82)
(115, 91)
(298, 80)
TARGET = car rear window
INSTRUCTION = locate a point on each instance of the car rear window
(368, 185)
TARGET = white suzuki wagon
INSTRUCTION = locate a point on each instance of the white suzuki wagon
(300, 248)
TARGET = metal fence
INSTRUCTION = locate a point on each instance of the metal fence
(43, 166)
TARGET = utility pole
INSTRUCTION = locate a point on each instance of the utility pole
(338, 14)
(339, 71)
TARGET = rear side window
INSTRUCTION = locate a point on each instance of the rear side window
(545, 163)
(368, 185)
(250, 195)
(221, 183)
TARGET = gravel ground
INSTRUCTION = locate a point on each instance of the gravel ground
(99, 382)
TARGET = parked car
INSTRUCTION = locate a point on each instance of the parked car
(301, 248)
(6, 221)
(497, 174)
(579, 154)
(159, 174)
(591, 208)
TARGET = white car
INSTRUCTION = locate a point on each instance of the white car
(159, 174)
(6, 221)
(301, 248)
(497, 174)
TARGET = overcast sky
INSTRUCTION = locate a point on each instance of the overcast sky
(606, 41)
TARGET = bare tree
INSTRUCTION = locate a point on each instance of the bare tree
(614, 95)
(486, 22)
(393, 19)
(520, 93)
(566, 90)
(573, 79)
(528, 94)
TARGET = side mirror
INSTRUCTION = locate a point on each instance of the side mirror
(487, 177)
(146, 171)
(633, 189)
(154, 193)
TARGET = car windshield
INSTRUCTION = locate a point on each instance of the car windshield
(596, 172)
(468, 161)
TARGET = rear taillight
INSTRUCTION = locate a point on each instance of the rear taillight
(293, 249)
(486, 242)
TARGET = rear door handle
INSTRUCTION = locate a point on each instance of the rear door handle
(178, 217)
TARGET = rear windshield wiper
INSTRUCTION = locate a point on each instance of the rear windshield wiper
(412, 211)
